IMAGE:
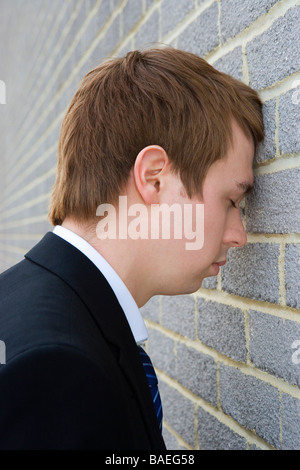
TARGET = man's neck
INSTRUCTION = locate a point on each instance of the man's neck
(123, 256)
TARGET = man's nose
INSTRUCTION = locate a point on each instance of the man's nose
(235, 234)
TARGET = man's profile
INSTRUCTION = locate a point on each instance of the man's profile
(160, 126)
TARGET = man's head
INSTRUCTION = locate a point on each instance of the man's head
(164, 97)
(178, 270)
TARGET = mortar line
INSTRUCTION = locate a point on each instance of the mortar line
(280, 88)
(174, 433)
(245, 67)
(273, 237)
(233, 300)
(280, 163)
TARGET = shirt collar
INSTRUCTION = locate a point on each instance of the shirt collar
(125, 299)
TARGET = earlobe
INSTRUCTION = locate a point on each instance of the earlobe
(149, 169)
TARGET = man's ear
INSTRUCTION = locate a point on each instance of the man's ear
(151, 165)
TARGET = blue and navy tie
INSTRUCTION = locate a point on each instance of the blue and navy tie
(153, 384)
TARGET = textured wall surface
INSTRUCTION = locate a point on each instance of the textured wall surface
(228, 356)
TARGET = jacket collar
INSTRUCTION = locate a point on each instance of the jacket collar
(74, 268)
(124, 297)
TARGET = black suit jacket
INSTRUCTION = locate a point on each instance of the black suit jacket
(73, 378)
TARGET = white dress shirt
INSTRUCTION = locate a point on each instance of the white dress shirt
(125, 299)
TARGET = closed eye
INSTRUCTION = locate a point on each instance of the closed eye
(233, 204)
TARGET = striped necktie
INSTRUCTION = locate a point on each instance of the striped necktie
(153, 384)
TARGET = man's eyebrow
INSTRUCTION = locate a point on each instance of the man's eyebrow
(245, 186)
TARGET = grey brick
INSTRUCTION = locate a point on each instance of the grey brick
(289, 125)
(266, 150)
(170, 441)
(90, 4)
(210, 282)
(292, 275)
(254, 447)
(132, 13)
(80, 17)
(178, 412)
(197, 372)
(274, 205)
(98, 21)
(111, 38)
(39, 188)
(178, 314)
(275, 54)
(149, 3)
(270, 347)
(214, 435)
(148, 34)
(237, 15)
(162, 351)
(251, 402)
(231, 63)
(290, 410)
(151, 309)
(202, 35)
(252, 271)
(222, 327)
(126, 47)
(171, 16)
(9, 259)
(114, 3)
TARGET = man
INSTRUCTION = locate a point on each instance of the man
(159, 127)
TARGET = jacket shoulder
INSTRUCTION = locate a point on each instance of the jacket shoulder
(37, 307)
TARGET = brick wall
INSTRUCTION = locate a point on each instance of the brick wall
(227, 355)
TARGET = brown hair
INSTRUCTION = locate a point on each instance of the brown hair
(164, 97)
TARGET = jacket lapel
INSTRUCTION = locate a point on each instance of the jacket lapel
(74, 268)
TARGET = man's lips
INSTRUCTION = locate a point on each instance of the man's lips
(217, 266)
(221, 263)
